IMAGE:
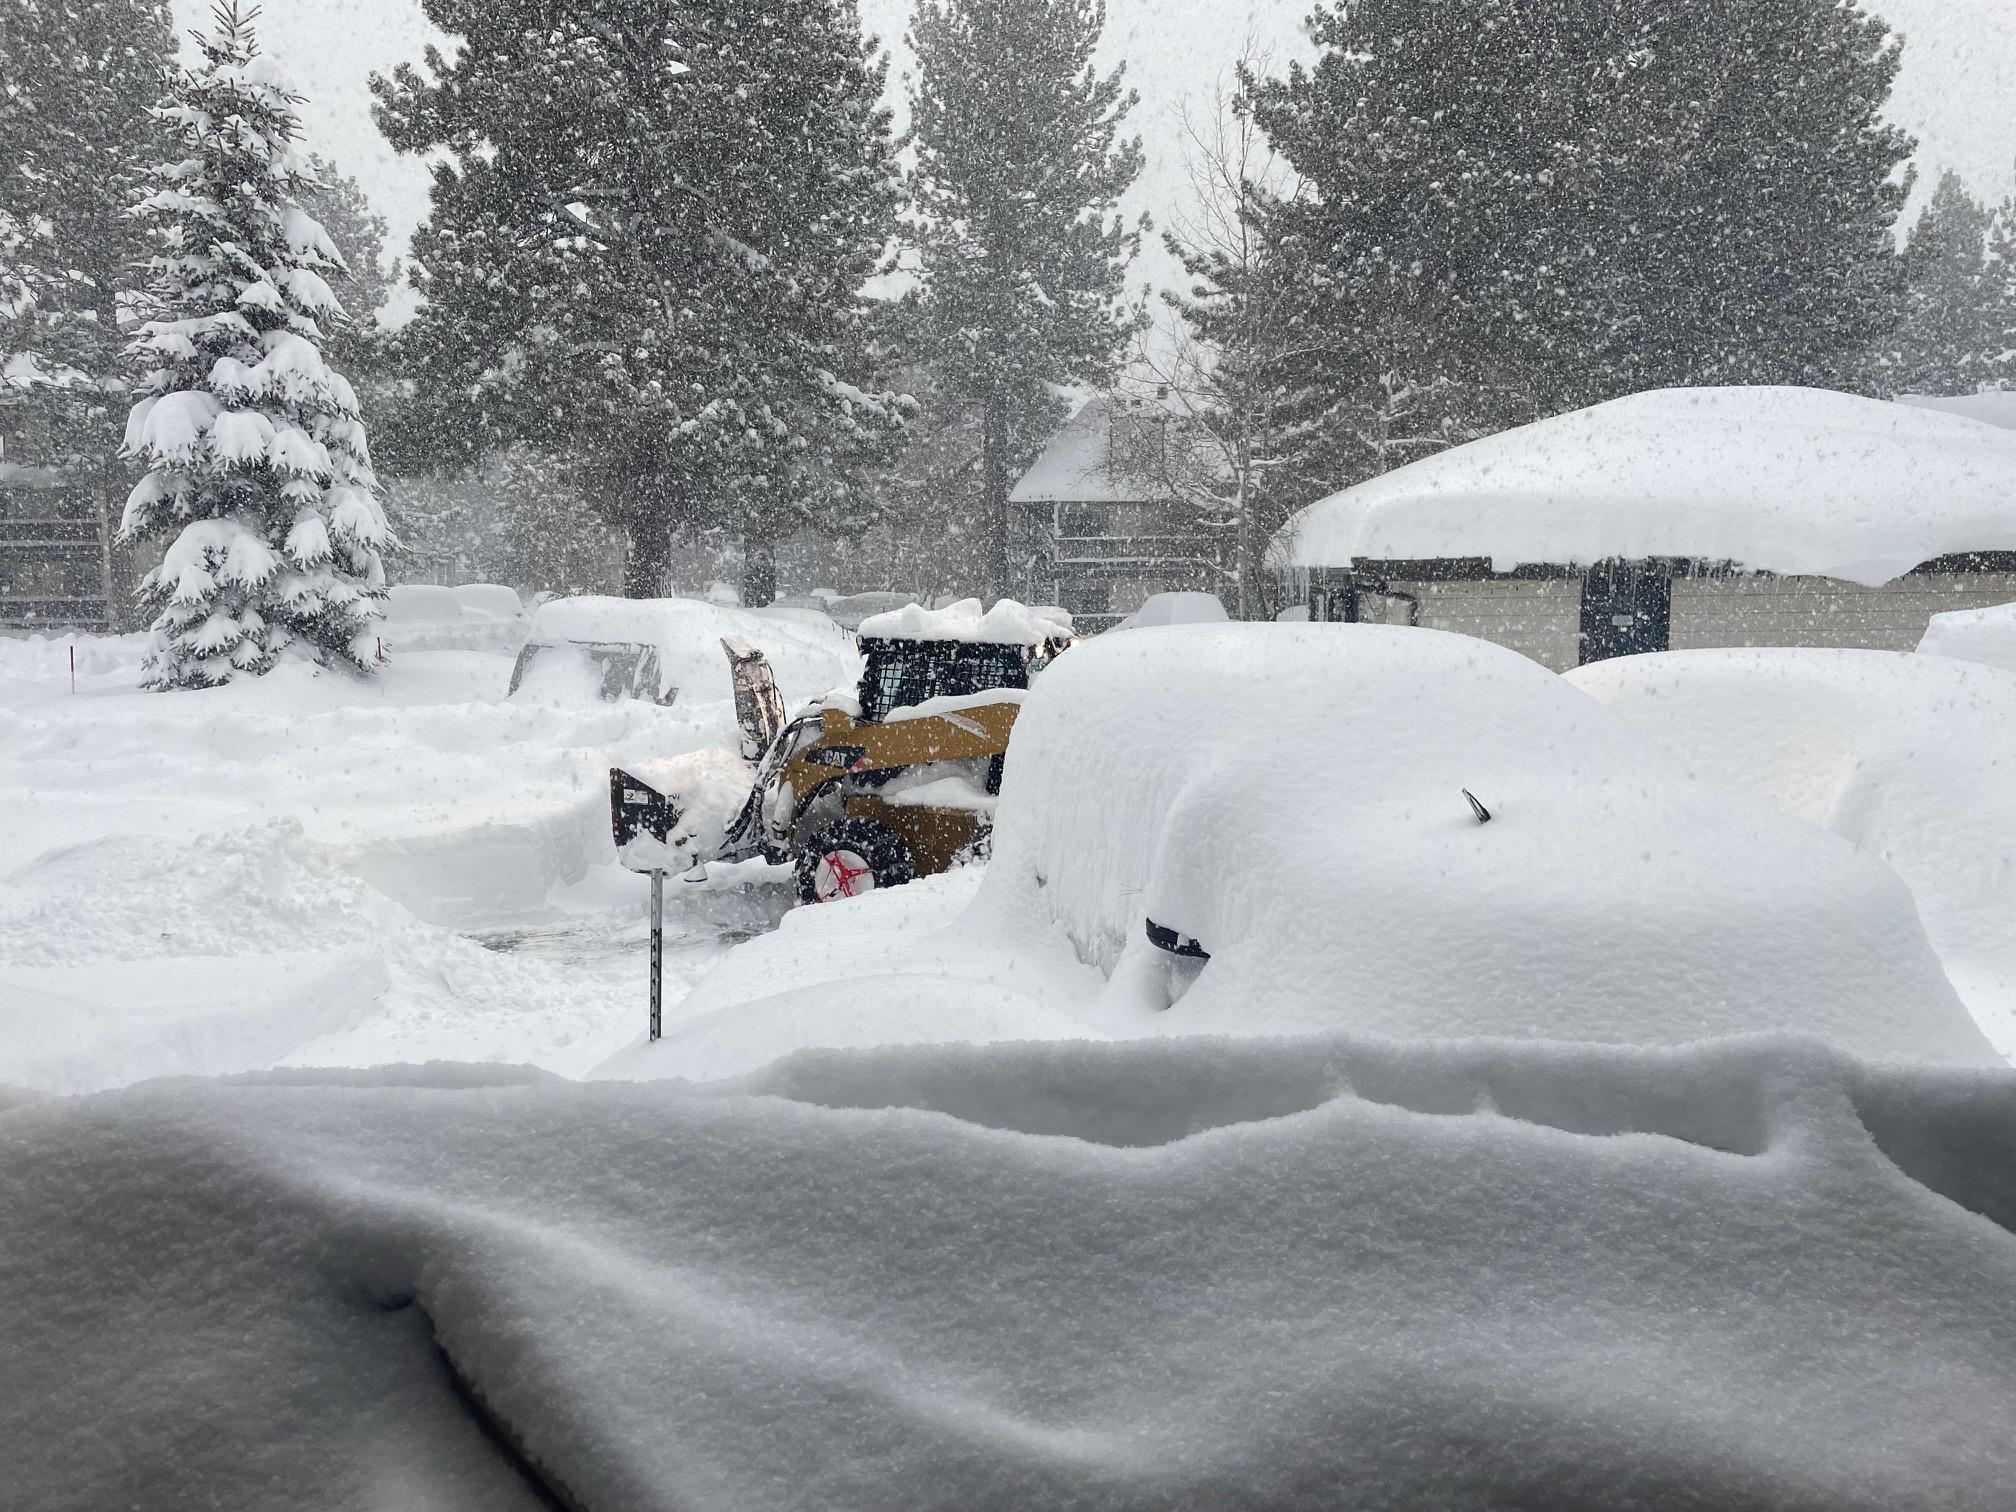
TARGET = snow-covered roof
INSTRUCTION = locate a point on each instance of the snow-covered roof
(1787, 480)
(1006, 624)
(1997, 407)
(1076, 466)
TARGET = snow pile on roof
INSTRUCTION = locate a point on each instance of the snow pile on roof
(1910, 757)
(1007, 623)
(1293, 1274)
(808, 656)
(1987, 636)
(1076, 465)
(1176, 609)
(1787, 480)
(1997, 407)
(1292, 798)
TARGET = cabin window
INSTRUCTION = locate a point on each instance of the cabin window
(1084, 521)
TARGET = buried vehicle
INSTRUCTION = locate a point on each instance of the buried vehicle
(589, 648)
(867, 788)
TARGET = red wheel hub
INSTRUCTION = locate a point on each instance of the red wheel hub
(843, 874)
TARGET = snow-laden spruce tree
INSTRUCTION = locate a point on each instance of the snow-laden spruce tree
(255, 460)
(1948, 341)
(76, 80)
(1022, 255)
(651, 228)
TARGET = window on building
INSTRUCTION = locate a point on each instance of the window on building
(1093, 596)
(1085, 520)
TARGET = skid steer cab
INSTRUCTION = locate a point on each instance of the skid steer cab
(856, 792)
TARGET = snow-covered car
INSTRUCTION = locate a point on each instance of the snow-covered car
(1403, 832)
(1176, 609)
(1904, 756)
(467, 617)
(589, 647)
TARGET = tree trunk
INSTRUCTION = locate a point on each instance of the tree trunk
(647, 560)
(759, 568)
(994, 496)
(1251, 547)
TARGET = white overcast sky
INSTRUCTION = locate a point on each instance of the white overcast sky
(1957, 93)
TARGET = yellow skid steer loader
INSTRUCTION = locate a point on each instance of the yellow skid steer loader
(871, 790)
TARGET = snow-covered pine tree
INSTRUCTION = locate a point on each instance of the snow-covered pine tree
(1521, 206)
(77, 79)
(1948, 339)
(2001, 274)
(1022, 255)
(358, 233)
(651, 228)
(255, 459)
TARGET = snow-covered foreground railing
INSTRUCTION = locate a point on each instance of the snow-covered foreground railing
(1291, 1273)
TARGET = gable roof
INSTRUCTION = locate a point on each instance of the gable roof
(1076, 466)
(1788, 480)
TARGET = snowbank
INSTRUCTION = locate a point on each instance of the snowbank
(1776, 479)
(1007, 623)
(1909, 757)
(1292, 797)
(163, 856)
(1278, 1275)
(877, 970)
(1176, 609)
(1987, 636)
(808, 654)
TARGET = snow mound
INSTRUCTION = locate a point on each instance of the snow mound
(1987, 636)
(1007, 623)
(1784, 480)
(881, 969)
(102, 1023)
(1293, 798)
(1996, 407)
(131, 956)
(1293, 1274)
(807, 654)
(1176, 609)
(1912, 758)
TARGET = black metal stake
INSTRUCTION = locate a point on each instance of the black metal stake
(657, 950)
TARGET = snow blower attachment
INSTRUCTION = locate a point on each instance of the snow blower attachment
(893, 782)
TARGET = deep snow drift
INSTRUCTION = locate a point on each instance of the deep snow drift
(285, 870)
(1163, 1274)
(1913, 758)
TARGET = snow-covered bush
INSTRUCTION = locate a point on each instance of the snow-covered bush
(255, 458)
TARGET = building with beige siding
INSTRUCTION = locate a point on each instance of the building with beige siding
(1674, 520)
